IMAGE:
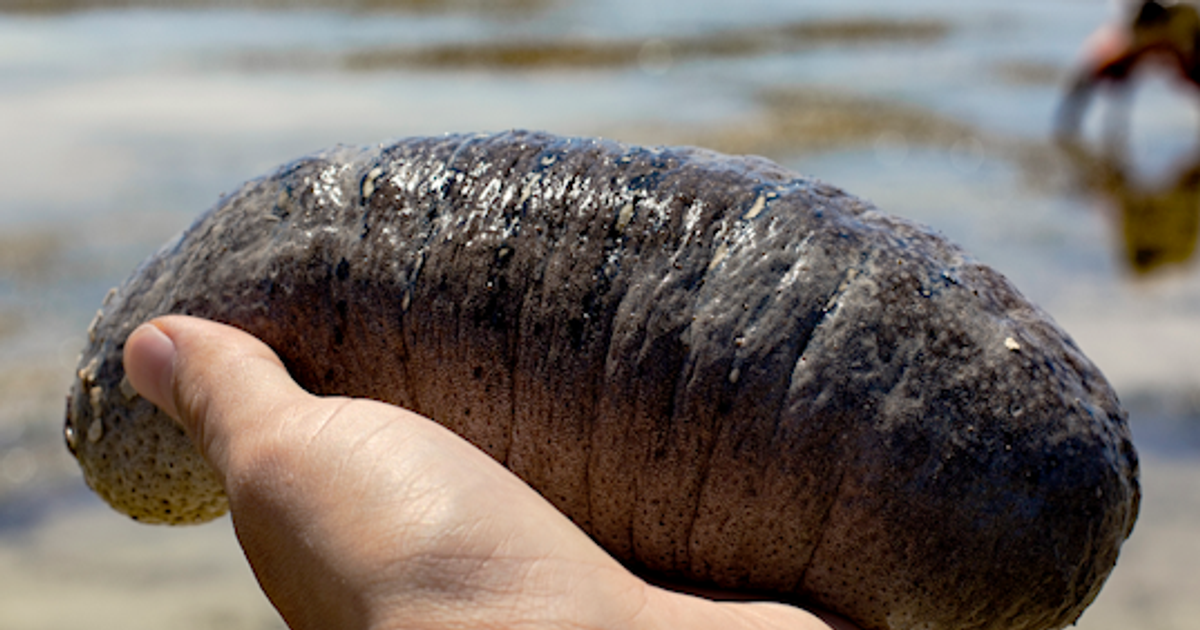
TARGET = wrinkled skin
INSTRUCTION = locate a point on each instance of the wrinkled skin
(730, 376)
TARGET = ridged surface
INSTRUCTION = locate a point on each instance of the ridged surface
(727, 374)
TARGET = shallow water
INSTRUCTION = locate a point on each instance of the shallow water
(121, 121)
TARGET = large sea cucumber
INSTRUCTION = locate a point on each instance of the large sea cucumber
(726, 373)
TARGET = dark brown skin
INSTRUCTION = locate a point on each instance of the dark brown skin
(728, 375)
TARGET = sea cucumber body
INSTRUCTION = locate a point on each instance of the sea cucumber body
(727, 374)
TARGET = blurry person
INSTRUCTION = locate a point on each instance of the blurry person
(1167, 33)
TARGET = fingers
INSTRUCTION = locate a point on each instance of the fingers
(213, 379)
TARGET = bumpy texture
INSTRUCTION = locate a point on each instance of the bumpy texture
(727, 374)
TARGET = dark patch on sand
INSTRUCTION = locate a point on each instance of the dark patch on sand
(574, 53)
(798, 120)
(10, 322)
(1029, 73)
(30, 256)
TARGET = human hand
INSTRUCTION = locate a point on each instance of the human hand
(358, 514)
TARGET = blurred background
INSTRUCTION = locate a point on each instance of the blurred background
(121, 121)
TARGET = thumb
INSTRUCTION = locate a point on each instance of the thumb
(215, 380)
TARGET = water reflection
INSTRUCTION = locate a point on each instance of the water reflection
(1160, 220)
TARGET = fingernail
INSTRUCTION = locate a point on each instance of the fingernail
(150, 364)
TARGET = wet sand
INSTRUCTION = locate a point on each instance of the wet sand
(57, 576)
(1156, 580)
